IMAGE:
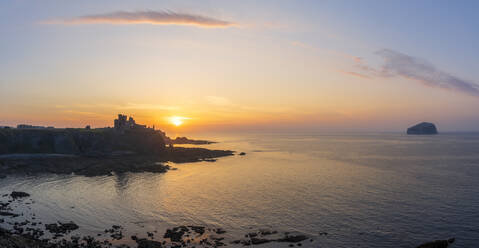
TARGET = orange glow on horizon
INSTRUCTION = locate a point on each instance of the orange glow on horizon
(177, 120)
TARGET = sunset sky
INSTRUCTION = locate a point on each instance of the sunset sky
(241, 65)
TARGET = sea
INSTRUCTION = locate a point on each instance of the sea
(342, 190)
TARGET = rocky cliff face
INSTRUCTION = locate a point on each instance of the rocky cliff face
(80, 141)
(422, 128)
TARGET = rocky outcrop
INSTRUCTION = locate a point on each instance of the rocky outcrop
(422, 128)
(184, 140)
(61, 227)
(87, 166)
(105, 165)
(438, 244)
(19, 194)
(194, 154)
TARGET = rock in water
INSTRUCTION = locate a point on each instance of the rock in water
(19, 194)
(438, 244)
(422, 128)
(61, 227)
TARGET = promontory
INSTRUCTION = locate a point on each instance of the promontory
(127, 147)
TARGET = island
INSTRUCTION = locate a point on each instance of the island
(126, 147)
(423, 128)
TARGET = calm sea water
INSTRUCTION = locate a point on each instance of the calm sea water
(365, 190)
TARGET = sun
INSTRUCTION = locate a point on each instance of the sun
(177, 120)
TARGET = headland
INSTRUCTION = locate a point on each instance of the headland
(126, 147)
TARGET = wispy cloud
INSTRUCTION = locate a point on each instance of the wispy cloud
(146, 17)
(398, 64)
(355, 74)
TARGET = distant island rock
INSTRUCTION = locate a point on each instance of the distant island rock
(422, 128)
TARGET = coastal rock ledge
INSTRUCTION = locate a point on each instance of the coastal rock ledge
(422, 128)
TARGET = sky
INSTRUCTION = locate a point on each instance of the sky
(366, 66)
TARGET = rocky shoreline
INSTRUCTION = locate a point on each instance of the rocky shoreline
(105, 165)
(185, 140)
(24, 230)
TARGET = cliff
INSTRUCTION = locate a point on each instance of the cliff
(95, 142)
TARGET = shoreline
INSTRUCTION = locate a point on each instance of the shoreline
(104, 165)
(26, 231)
